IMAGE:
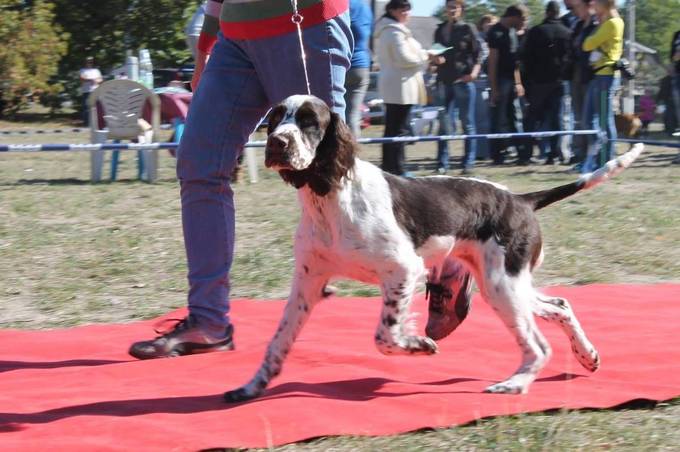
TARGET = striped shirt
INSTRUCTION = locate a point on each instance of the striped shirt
(255, 19)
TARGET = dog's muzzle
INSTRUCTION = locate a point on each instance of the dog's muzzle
(276, 152)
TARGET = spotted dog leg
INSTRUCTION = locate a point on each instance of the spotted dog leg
(393, 336)
(305, 294)
(557, 310)
(512, 304)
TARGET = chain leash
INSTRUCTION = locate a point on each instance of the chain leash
(297, 19)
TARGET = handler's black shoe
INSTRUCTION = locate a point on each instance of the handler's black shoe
(448, 306)
(185, 338)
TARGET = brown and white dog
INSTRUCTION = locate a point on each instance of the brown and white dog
(361, 223)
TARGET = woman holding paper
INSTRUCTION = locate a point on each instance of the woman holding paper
(400, 81)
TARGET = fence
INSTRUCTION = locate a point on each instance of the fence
(250, 157)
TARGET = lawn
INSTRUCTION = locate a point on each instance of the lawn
(73, 253)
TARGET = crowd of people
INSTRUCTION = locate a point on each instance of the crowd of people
(564, 66)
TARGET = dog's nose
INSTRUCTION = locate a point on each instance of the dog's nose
(277, 143)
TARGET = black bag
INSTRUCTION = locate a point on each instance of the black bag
(622, 65)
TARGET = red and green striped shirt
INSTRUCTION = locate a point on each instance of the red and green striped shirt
(255, 19)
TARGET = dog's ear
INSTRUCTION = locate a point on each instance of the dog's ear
(334, 156)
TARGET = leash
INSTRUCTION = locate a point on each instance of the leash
(297, 19)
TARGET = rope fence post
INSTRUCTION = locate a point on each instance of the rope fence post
(604, 119)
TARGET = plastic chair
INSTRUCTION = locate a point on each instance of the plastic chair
(123, 104)
(424, 119)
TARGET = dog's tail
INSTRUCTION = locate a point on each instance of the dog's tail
(540, 199)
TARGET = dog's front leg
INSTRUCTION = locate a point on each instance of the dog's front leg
(305, 293)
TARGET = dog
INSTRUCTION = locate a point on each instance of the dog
(361, 223)
(628, 125)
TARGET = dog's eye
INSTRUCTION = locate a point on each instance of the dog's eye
(307, 123)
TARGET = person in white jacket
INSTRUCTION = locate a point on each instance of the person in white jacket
(400, 82)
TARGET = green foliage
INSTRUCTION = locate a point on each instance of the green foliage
(474, 9)
(32, 46)
(107, 29)
(657, 21)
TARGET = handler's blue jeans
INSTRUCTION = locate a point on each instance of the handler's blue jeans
(242, 80)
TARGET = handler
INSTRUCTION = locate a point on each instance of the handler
(248, 59)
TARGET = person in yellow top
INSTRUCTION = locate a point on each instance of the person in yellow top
(606, 47)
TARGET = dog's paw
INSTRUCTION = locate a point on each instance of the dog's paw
(239, 395)
(589, 360)
(507, 387)
(420, 345)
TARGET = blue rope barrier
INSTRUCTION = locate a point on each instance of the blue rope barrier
(669, 144)
(85, 147)
(488, 136)
(407, 139)
(58, 131)
(42, 131)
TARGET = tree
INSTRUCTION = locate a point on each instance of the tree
(474, 9)
(107, 29)
(657, 21)
(29, 56)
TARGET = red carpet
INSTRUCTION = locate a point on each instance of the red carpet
(76, 389)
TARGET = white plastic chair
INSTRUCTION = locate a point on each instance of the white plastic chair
(424, 119)
(123, 105)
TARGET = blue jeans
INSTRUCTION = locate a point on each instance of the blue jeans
(506, 117)
(242, 80)
(463, 97)
(598, 114)
(356, 84)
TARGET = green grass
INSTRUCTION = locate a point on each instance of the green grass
(73, 253)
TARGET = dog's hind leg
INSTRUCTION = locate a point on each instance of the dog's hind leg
(510, 297)
(305, 293)
(394, 335)
(557, 310)
(449, 293)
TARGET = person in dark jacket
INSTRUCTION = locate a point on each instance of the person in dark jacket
(675, 59)
(455, 81)
(506, 82)
(545, 56)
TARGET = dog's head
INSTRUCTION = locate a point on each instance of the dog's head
(308, 144)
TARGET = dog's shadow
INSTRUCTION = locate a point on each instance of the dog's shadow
(354, 390)
(7, 366)
(364, 389)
